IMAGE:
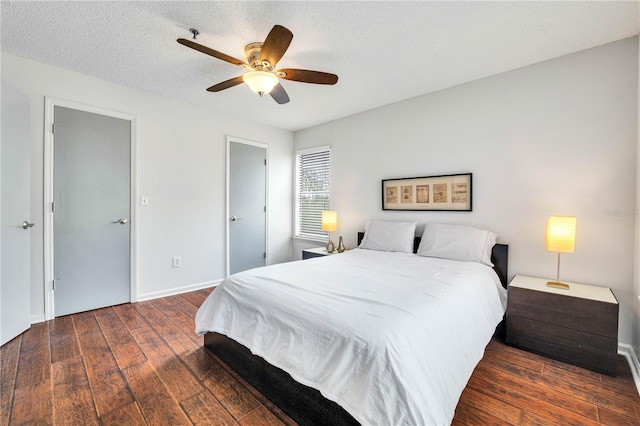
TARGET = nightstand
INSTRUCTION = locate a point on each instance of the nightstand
(578, 326)
(316, 252)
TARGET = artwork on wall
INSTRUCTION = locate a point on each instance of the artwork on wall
(442, 193)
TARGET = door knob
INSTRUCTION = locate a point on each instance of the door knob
(121, 221)
(234, 218)
(27, 225)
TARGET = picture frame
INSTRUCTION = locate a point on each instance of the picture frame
(428, 193)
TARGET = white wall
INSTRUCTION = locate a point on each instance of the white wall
(180, 166)
(636, 276)
(555, 138)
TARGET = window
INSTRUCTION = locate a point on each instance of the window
(313, 174)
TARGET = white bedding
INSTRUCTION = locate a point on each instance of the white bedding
(391, 337)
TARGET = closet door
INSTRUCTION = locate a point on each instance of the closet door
(92, 215)
(247, 174)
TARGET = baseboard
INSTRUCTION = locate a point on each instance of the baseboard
(177, 290)
(628, 352)
(154, 295)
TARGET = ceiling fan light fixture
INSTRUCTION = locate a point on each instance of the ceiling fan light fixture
(260, 82)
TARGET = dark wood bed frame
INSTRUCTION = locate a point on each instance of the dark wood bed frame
(303, 404)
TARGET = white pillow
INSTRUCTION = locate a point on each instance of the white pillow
(389, 236)
(457, 242)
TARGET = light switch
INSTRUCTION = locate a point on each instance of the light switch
(144, 200)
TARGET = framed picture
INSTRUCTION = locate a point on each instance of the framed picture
(442, 193)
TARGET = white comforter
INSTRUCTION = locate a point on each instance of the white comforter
(391, 337)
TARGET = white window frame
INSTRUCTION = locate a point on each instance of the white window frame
(322, 236)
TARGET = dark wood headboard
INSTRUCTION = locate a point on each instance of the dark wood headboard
(499, 257)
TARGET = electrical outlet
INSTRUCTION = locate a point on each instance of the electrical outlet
(177, 262)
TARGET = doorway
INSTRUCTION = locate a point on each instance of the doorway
(246, 205)
(91, 209)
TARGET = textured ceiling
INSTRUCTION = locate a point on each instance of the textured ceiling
(383, 52)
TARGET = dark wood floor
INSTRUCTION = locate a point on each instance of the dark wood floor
(142, 364)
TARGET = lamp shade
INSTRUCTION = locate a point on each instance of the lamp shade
(261, 82)
(329, 221)
(561, 234)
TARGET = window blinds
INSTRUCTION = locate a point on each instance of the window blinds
(313, 173)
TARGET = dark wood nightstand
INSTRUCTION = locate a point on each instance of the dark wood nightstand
(316, 252)
(578, 326)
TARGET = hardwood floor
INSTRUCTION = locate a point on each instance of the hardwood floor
(142, 363)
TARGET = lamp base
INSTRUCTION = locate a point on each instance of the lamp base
(556, 284)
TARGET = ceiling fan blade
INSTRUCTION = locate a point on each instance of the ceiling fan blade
(276, 43)
(208, 51)
(226, 84)
(279, 94)
(308, 76)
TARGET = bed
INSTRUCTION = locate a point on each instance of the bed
(362, 334)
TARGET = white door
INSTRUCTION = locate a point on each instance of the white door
(15, 309)
(91, 218)
(247, 206)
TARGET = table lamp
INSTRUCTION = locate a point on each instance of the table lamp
(329, 224)
(561, 238)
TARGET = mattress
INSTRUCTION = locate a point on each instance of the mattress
(391, 337)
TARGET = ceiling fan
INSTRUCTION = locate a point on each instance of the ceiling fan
(261, 59)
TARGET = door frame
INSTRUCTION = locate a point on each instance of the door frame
(50, 103)
(227, 191)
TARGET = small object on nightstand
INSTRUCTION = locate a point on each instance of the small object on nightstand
(329, 247)
(340, 244)
(578, 325)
